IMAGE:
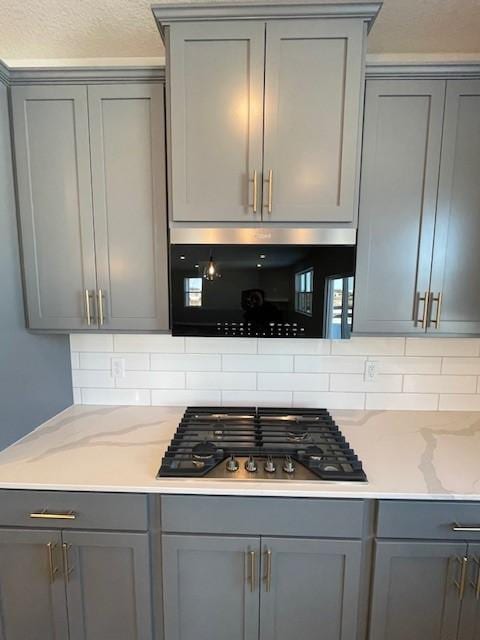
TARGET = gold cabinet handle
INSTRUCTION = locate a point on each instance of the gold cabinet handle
(270, 191)
(250, 559)
(476, 583)
(438, 300)
(101, 316)
(66, 565)
(87, 307)
(255, 191)
(52, 569)
(416, 306)
(268, 569)
(46, 515)
(473, 528)
(460, 583)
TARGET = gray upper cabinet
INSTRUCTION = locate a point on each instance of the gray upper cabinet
(108, 585)
(312, 119)
(216, 106)
(401, 155)
(92, 200)
(127, 140)
(415, 592)
(55, 203)
(310, 589)
(210, 586)
(456, 255)
(32, 592)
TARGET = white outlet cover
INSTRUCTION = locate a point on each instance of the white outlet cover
(371, 369)
(118, 367)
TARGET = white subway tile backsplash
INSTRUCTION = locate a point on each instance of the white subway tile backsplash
(92, 379)
(293, 381)
(402, 401)
(369, 347)
(461, 366)
(257, 363)
(186, 397)
(459, 402)
(91, 342)
(148, 343)
(75, 359)
(330, 364)
(133, 361)
(328, 399)
(440, 384)
(152, 380)
(356, 382)
(185, 362)
(221, 380)
(257, 398)
(116, 396)
(77, 396)
(294, 346)
(221, 345)
(403, 364)
(442, 347)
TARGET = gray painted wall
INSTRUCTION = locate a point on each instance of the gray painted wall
(35, 378)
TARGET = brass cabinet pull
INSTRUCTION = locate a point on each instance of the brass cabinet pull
(476, 583)
(270, 191)
(101, 317)
(255, 190)
(46, 515)
(251, 562)
(66, 566)
(460, 583)
(474, 528)
(416, 306)
(268, 569)
(438, 300)
(87, 307)
(52, 569)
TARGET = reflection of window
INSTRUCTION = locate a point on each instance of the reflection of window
(304, 292)
(192, 288)
(339, 307)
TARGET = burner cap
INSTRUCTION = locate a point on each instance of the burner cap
(204, 450)
(315, 453)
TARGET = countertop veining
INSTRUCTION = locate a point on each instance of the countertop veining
(405, 454)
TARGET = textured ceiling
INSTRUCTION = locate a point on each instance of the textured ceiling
(125, 28)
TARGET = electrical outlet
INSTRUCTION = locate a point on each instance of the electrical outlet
(371, 370)
(118, 367)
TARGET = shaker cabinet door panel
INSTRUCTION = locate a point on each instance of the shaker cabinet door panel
(208, 588)
(310, 589)
(469, 628)
(32, 591)
(313, 79)
(398, 192)
(55, 200)
(108, 585)
(456, 258)
(129, 198)
(216, 108)
(414, 591)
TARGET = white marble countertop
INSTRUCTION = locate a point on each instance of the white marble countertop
(405, 454)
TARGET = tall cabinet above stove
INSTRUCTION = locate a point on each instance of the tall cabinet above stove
(250, 138)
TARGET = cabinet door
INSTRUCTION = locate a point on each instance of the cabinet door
(313, 80)
(55, 202)
(216, 119)
(310, 589)
(32, 591)
(469, 628)
(208, 588)
(129, 197)
(108, 585)
(398, 192)
(414, 592)
(456, 257)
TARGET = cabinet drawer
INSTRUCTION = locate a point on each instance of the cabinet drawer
(434, 520)
(73, 510)
(263, 516)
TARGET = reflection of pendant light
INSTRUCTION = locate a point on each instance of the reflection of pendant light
(211, 272)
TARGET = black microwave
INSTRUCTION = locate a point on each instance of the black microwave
(262, 290)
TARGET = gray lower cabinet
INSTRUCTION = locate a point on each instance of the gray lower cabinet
(92, 203)
(415, 590)
(469, 628)
(32, 594)
(310, 589)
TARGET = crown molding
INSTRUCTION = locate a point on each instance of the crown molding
(171, 12)
(426, 66)
(4, 73)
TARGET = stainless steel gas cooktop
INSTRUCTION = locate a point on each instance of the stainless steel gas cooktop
(245, 443)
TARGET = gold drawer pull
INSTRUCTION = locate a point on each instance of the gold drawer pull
(250, 561)
(460, 583)
(268, 570)
(66, 565)
(46, 515)
(466, 528)
(52, 569)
